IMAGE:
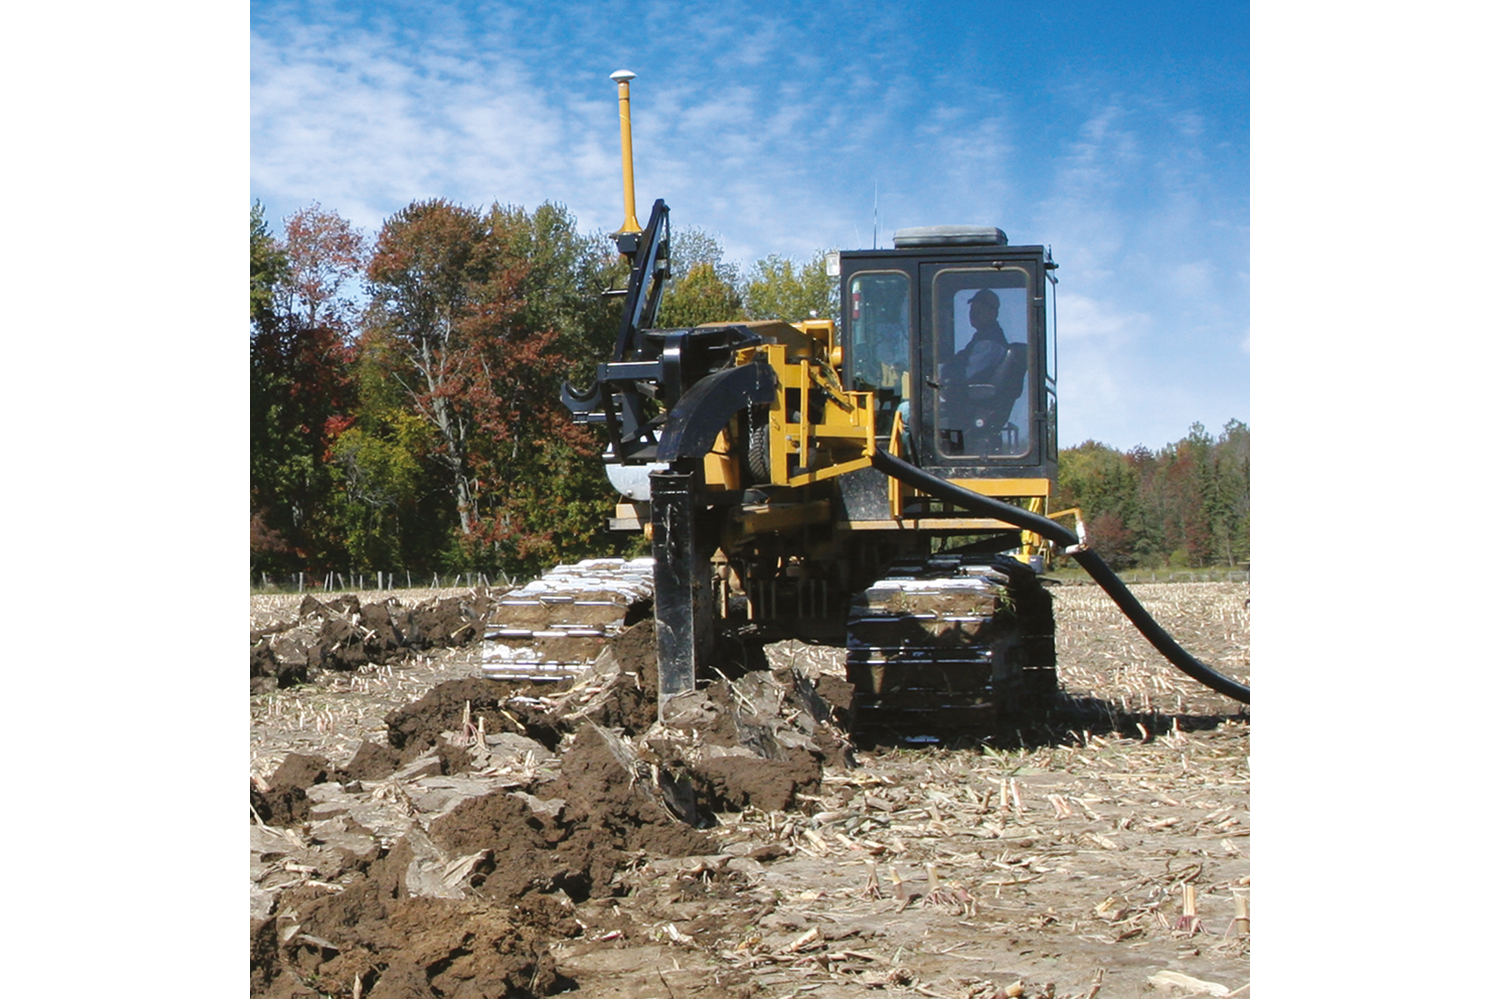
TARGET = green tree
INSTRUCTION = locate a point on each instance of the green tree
(703, 295)
(1148, 527)
(1229, 509)
(1193, 469)
(389, 490)
(780, 289)
(691, 246)
(704, 287)
(268, 264)
(1100, 482)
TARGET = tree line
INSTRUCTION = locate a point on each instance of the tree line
(1186, 504)
(404, 410)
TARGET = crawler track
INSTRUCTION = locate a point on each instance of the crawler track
(556, 625)
(944, 645)
(951, 644)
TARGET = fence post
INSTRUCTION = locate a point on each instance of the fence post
(299, 581)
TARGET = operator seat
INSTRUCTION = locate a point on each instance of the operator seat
(991, 401)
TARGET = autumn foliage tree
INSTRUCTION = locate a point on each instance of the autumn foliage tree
(565, 275)
(1098, 480)
(325, 255)
(447, 300)
(300, 400)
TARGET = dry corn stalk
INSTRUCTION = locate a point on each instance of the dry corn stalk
(1189, 920)
(806, 940)
(676, 935)
(1168, 977)
(1111, 909)
(1240, 925)
(816, 840)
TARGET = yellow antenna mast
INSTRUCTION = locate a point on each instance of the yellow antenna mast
(627, 157)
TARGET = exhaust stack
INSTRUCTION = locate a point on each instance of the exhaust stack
(627, 157)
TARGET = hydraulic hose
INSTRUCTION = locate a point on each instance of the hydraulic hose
(1087, 558)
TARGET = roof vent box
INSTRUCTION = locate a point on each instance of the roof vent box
(950, 236)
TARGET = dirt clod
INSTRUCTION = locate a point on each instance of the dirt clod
(605, 790)
(422, 724)
(344, 634)
(372, 761)
(736, 783)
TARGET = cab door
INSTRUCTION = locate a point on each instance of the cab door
(979, 361)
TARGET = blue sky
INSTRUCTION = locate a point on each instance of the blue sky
(1116, 133)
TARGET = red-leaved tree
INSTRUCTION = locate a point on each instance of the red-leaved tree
(325, 253)
(448, 300)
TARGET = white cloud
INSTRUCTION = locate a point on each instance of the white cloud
(1191, 280)
(1101, 324)
(367, 125)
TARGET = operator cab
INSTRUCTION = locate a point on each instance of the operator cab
(950, 330)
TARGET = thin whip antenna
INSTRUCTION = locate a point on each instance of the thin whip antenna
(875, 236)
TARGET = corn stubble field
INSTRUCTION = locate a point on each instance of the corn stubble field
(1104, 855)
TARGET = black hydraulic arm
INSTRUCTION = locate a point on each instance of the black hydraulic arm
(615, 398)
(649, 269)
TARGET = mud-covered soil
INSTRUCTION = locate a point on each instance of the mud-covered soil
(420, 831)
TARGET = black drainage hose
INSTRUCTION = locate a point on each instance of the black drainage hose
(1087, 558)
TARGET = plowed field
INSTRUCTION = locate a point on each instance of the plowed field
(418, 831)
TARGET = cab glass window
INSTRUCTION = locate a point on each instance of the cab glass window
(981, 341)
(880, 341)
